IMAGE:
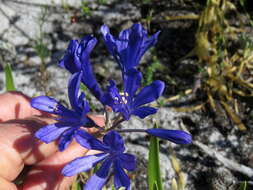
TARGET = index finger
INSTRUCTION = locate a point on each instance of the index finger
(16, 105)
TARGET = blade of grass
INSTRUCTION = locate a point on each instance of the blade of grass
(9, 82)
(243, 186)
(154, 174)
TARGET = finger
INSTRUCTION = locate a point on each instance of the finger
(18, 146)
(4, 184)
(15, 105)
(47, 174)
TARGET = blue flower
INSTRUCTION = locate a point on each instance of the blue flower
(76, 59)
(176, 136)
(128, 102)
(113, 155)
(130, 46)
(69, 120)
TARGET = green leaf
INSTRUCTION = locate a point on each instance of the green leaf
(155, 186)
(243, 186)
(154, 175)
(9, 82)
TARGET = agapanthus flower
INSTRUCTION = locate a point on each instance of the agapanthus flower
(130, 46)
(175, 136)
(113, 160)
(128, 102)
(69, 121)
(76, 59)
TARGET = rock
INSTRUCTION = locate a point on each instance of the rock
(221, 179)
(118, 14)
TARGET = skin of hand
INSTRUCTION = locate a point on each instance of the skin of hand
(19, 149)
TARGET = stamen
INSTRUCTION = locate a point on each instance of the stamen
(56, 108)
(124, 100)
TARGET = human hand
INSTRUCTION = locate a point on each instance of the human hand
(20, 151)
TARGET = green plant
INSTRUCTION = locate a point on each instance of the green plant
(85, 9)
(151, 69)
(41, 49)
(101, 2)
(9, 81)
(154, 174)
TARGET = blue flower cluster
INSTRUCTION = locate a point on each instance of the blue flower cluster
(127, 50)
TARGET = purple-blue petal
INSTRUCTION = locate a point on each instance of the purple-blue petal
(51, 132)
(90, 81)
(86, 46)
(121, 179)
(98, 180)
(45, 103)
(66, 138)
(124, 34)
(176, 136)
(144, 111)
(108, 38)
(88, 141)
(113, 95)
(82, 164)
(149, 93)
(114, 141)
(83, 103)
(73, 88)
(130, 46)
(70, 60)
(128, 161)
(50, 105)
(134, 47)
(132, 81)
(147, 43)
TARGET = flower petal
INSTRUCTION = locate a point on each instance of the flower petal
(112, 96)
(114, 141)
(132, 81)
(73, 88)
(130, 46)
(124, 34)
(82, 164)
(83, 103)
(51, 132)
(147, 43)
(66, 138)
(134, 47)
(128, 161)
(88, 141)
(45, 103)
(121, 179)
(108, 39)
(70, 60)
(86, 46)
(98, 180)
(144, 111)
(149, 93)
(90, 81)
(176, 136)
(50, 105)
